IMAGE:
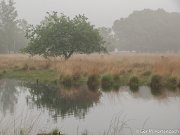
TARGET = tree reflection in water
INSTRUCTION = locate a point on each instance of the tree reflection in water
(8, 96)
(63, 102)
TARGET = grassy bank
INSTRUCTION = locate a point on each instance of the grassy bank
(80, 67)
(40, 75)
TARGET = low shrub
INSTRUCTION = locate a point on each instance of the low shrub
(4, 72)
(61, 77)
(76, 77)
(156, 82)
(107, 82)
(32, 68)
(25, 67)
(93, 82)
(47, 65)
(55, 132)
(1, 74)
(117, 82)
(146, 73)
(178, 84)
(134, 83)
(67, 81)
(171, 83)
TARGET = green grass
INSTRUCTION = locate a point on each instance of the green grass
(41, 75)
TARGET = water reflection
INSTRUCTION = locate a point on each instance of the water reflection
(63, 102)
(60, 101)
(8, 96)
(156, 92)
(59, 107)
(148, 93)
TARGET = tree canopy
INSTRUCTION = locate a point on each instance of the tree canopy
(62, 36)
(144, 31)
(148, 31)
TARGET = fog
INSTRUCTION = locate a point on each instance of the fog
(99, 12)
(177, 2)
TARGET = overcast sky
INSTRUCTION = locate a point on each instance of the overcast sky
(99, 12)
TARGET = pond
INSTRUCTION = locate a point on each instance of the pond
(43, 107)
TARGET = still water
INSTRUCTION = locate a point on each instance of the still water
(41, 108)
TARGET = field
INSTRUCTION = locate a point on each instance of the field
(125, 64)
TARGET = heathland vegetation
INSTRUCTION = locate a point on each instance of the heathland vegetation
(106, 69)
(57, 38)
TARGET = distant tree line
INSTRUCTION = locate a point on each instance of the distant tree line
(145, 31)
(12, 29)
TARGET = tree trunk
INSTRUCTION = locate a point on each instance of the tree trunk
(14, 46)
(68, 55)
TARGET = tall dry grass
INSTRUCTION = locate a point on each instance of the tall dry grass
(130, 63)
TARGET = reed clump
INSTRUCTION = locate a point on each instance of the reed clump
(93, 82)
(116, 82)
(67, 81)
(1, 74)
(134, 83)
(156, 82)
(107, 82)
(171, 83)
